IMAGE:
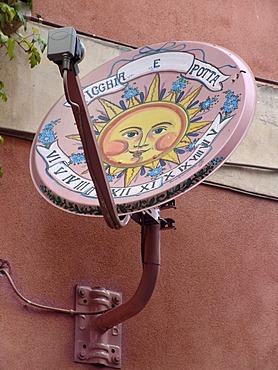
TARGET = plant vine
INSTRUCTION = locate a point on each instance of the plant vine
(11, 19)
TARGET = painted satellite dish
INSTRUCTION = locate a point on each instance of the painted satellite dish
(165, 116)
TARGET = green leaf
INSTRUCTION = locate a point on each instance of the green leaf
(8, 11)
(34, 58)
(28, 44)
(3, 95)
(19, 34)
(1, 140)
(20, 16)
(42, 43)
(35, 31)
(2, 19)
(11, 44)
(34, 44)
(3, 38)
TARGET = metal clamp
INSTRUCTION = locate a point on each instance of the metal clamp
(92, 346)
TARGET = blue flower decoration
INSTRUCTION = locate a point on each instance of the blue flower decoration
(207, 104)
(47, 136)
(230, 105)
(156, 171)
(216, 160)
(178, 85)
(110, 178)
(192, 145)
(130, 92)
(231, 102)
(43, 188)
(50, 125)
(77, 158)
(229, 93)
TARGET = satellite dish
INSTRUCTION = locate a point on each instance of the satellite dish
(154, 123)
(165, 117)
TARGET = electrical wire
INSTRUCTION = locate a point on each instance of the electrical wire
(44, 307)
(66, 90)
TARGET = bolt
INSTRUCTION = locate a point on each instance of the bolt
(116, 359)
(115, 331)
(116, 299)
(82, 292)
(82, 355)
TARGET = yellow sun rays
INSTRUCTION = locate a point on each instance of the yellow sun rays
(112, 110)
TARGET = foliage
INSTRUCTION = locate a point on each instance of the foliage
(11, 19)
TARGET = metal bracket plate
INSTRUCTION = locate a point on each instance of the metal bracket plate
(91, 346)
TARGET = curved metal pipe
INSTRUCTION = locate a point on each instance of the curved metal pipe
(93, 158)
(151, 266)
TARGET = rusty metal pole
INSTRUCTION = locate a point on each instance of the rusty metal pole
(76, 99)
(150, 241)
(98, 337)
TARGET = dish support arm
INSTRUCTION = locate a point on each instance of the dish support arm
(75, 98)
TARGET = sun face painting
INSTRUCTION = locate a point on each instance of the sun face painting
(150, 131)
(142, 134)
(165, 117)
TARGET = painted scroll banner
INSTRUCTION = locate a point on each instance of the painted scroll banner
(182, 62)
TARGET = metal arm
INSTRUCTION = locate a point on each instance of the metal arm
(150, 242)
(76, 99)
(66, 50)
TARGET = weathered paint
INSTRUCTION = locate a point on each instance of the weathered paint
(165, 117)
(215, 307)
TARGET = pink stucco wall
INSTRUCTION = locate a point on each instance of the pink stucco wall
(248, 28)
(215, 306)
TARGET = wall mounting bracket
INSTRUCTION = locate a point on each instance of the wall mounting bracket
(92, 346)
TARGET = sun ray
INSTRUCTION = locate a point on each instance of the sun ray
(153, 93)
(192, 112)
(132, 102)
(171, 97)
(115, 170)
(99, 126)
(74, 137)
(171, 157)
(184, 142)
(195, 126)
(126, 126)
(153, 164)
(131, 173)
(189, 98)
(112, 110)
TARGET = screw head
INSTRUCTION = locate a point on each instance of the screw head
(82, 355)
(116, 299)
(115, 331)
(116, 359)
(81, 292)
